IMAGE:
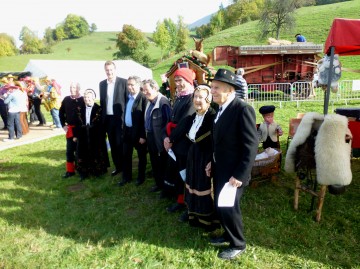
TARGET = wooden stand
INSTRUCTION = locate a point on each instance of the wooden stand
(320, 195)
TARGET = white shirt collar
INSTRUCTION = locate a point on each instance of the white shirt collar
(111, 82)
(230, 98)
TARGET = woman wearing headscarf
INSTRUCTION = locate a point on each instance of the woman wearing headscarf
(91, 151)
(196, 129)
(183, 107)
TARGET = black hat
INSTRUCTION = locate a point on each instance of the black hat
(266, 109)
(226, 76)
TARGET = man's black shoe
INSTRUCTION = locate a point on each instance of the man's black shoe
(123, 182)
(219, 241)
(155, 189)
(5, 128)
(115, 172)
(230, 253)
(175, 207)
(68, 174)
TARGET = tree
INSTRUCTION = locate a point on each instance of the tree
(203, 31)
(242, 11)
(217, 22)
(7, 45)
(49, 36)
(132, 43)
(277, 15)
(93, 28)
(182, 35)
(172, 29)
(31, 43)
(75, 26)
(162, 38)
(60, 33)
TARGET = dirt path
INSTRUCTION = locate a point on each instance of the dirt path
(36, 133)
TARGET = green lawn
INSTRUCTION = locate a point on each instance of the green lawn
(49, 222)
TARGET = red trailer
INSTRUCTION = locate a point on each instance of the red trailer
(271, 63)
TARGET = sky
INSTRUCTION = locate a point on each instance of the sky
(108, 15)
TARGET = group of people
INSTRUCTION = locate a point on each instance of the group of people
(13, 102)
(205, 139)
(22, 96)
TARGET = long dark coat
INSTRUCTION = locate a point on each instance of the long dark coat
(91, 152)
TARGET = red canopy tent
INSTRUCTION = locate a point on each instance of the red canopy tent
(343, 39)
(344, 36)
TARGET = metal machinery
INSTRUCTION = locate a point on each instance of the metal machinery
(271, 63)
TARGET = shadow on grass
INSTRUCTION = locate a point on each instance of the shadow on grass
(98, 211)
(272, 223)
(95, 210)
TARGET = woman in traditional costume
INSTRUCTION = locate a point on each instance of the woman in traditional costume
(197, 129)
(91, 152)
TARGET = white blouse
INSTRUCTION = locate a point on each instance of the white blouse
(88, 114)
(196, 125)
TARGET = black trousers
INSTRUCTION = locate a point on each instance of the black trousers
(37, 108)
(231, 219)
(128, 148)
(158, 160)
(174, 184)
(114, 133)
(4, 112)
(70, 150)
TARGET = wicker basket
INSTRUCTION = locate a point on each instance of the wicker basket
(267, 166)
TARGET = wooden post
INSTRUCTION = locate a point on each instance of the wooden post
(320, 204)
(296, 192)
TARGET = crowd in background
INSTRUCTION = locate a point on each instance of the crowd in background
(20, 103)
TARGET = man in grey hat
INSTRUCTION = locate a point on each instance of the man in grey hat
(235, 145)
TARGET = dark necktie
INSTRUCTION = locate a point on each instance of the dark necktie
(218, 114)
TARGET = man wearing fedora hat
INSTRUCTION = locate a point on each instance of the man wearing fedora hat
(235, 145)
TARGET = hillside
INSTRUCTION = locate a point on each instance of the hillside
(312, 22)
(202, 21)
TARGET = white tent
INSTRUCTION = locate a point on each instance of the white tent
(87, 73)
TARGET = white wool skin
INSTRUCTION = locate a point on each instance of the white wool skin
(302, 133)
(332, 153)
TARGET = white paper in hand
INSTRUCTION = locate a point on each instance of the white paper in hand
(172, 154)
(227, 196)
(183, 174)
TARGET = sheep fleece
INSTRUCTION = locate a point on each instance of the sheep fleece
(332, 153)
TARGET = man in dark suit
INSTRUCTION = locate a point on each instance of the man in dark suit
(134, 131)
(235, 145)
(113, 94)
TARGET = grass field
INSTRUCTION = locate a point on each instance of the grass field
(49, 222)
